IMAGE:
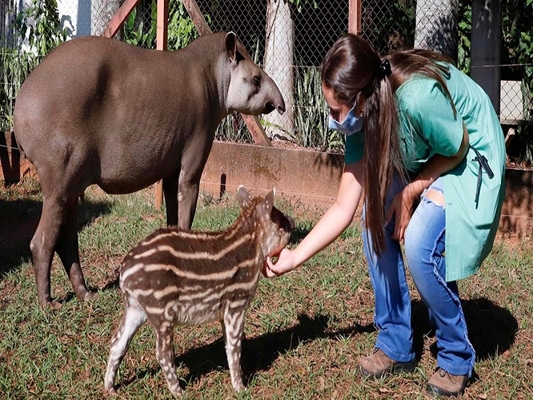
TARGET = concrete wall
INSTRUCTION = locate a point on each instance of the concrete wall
(303, 177)
(307, 177)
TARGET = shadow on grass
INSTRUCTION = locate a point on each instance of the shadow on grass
(299, 233)
(258, 353)
(491, 329)
(19, 219)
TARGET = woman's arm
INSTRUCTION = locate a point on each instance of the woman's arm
(401, 208)
(329, 227)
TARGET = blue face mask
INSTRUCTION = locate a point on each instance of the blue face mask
(350, 125)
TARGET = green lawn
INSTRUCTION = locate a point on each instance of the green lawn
(304, 331)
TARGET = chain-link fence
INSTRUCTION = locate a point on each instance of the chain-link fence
(288, 38)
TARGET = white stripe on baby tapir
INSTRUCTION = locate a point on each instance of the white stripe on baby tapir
(154, 310)
(184, 274)
(158, 294)
(130, 271)
(180, 234)
(197, 295)
(238, 303)
(196, 255)
(141, 292)
(242, 286)
(194, 276)
(234, 318)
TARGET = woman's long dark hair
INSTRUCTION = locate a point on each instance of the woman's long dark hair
(353, 70)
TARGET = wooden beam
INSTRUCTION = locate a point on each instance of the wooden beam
(256, 130)
(162, 44)
(354, 17)
(197, 17)
(252, 122)
(118, 19)
(162, 25)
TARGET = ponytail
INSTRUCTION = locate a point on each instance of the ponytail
(382, 156)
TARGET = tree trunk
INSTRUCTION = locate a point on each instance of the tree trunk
(436, 26)
(486, 51)
(278, 63)
(101, 13)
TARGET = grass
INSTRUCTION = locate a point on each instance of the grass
(304, 331)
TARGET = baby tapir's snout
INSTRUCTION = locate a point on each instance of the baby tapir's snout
(190, 277)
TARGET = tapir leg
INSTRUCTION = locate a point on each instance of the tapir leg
(188, 188)
(193, 162)
(68, 251)
(43, 245)
(170, 190)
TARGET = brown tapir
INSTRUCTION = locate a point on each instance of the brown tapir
(99, 111)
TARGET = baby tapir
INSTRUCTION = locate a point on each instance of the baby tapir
(187, 277)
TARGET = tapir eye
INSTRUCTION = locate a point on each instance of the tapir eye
(257, 81)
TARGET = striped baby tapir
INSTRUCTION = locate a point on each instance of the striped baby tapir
(191, 277)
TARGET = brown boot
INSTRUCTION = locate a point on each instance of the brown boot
(378, 365)
(442, 383)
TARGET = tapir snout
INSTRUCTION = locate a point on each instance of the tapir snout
(277, 102)
(100, 111)
(251, 90)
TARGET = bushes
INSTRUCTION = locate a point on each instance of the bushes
(36, 30)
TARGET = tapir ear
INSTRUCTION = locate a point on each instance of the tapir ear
(232, 48)
(268, 201)
(242, 196)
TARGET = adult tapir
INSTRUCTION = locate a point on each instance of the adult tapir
(100, 111)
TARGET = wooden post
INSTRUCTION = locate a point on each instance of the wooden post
(354, 17)
(162, 25)
(118, 19)
(197, 17)
(162, 44)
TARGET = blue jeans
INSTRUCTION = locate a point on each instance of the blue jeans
(424, 252)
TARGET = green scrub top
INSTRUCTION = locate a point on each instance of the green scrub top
(428, 127)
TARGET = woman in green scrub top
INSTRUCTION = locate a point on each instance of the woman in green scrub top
(425, 150)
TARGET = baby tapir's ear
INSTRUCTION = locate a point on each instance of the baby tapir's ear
(242, 196)
(267, 203)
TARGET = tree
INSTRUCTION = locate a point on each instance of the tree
(437, 26)
(278, 63)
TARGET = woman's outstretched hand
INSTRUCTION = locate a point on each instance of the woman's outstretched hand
(284, 264)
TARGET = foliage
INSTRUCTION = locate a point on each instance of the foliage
(517, 49)
(38, 28)
(40, 25)
(465, 31)
(517, 56)
(298, 4)
(389, 26)
(141, 30)
(233, 129)
(14, 67)
(311, 114)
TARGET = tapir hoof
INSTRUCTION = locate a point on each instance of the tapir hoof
(49, 304)
(46, 302)
(89, 296)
